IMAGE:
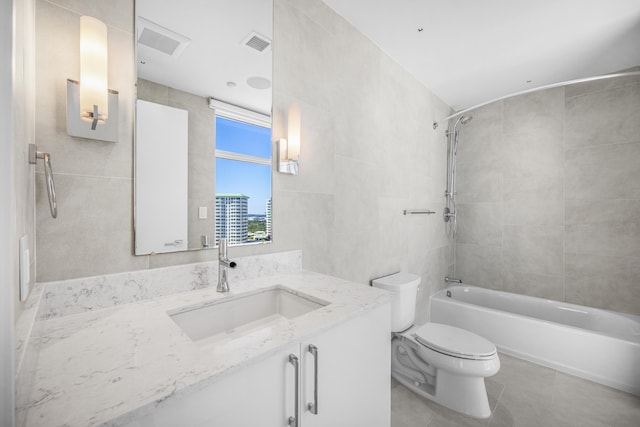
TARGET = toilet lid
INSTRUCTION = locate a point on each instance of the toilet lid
(454, 341)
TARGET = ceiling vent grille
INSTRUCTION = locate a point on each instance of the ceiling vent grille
(257, 42)
(161, 39)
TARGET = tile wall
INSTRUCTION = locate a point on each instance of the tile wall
(94, 180)
(368, 152)
(549, 195)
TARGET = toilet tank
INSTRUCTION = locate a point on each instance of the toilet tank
(404, 287)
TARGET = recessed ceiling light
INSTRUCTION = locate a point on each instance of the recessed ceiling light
(231, 84)
(259, 82)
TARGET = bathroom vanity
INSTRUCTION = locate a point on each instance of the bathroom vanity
(340, 375)
(299, 349)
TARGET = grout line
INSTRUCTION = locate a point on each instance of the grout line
(502, 147)
(493, 413)
(599, 91)
(595, 146)
(78, 175)
(564, 196)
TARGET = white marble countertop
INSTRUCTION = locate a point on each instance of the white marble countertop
(102, 367)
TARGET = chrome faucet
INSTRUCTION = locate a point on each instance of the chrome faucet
(448, 279)
(223, 263)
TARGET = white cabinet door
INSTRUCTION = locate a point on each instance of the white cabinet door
(353, 384)
(261, 394)
(353, 373)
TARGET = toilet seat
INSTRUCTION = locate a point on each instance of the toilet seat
(454, 342)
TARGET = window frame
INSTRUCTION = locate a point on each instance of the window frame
(243, 115)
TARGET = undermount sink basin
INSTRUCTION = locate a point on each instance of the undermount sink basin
(242, 316)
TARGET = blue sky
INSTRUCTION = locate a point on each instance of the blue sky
(233, 176)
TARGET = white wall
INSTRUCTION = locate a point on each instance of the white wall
(17, 202)
(17, 193)
(368, 151)
(7, 248)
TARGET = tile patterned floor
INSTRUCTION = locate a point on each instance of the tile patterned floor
(524, 394)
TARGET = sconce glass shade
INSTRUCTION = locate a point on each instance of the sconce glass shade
(93, 70)
(294, 124)
(289, 149)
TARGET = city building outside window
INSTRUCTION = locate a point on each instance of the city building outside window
(243, 181)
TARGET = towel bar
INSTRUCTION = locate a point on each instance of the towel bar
(34, 155)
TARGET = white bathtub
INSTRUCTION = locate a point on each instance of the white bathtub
(599, 345)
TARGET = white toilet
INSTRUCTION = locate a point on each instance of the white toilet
(440, 362)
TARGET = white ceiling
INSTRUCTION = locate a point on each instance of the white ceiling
(472, 51)
(215, 54)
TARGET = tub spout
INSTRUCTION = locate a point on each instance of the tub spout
(448, 279)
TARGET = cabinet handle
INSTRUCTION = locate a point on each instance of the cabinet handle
(313, 406)
(293, 359)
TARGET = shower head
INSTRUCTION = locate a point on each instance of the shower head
(462, 119)
(465, 119)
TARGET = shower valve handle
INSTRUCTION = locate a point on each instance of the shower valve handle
(447, 214)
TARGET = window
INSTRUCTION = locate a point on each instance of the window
(243, 181)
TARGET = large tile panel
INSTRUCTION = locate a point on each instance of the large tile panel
(478, 184)
(535, 112)
(533, 249)
(603, 172)
(539, 201)
(603, 227)
(605, 117)
(356, 203)
(603, 281)
(480, 223)
(528, 157)
(526, 396)
(479, 265)
(535, 285)
(578, 402)
(93, 231)
(604, 239)
(303, 65)
(480, 157)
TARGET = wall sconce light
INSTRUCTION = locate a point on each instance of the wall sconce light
(94, 106)
(90, 103)
(289, 149)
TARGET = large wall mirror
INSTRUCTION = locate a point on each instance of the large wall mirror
(203, 124)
